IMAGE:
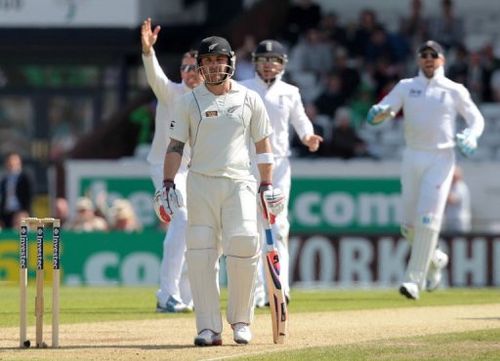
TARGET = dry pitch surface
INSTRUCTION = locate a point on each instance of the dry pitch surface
(171, 339)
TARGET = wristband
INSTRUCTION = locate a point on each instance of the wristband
(265, 158)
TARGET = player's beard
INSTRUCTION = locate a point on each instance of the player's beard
(216, 75)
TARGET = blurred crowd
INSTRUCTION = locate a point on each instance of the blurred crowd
(343, 68)
(17, 191)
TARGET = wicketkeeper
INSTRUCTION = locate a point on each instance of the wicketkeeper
(430, 103)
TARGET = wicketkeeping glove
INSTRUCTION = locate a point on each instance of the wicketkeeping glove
(378, 113)
(167, 201)
(271, 199)
(466, 142)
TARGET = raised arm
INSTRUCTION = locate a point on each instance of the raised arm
(155, 75)
(148, 36)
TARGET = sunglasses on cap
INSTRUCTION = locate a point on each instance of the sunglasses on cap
(188, 67)
(429, 54)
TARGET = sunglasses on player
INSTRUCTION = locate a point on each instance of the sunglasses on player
(188, 67)
(429, 54)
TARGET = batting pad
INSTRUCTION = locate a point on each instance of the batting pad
(408, 232)
(203, 271)
(423, 247)
(241, 277)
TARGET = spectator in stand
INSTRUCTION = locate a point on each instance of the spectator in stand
(384, 75)
(360, 105)
(332, 97)
(349, 75)
(490, 63)
(16, 189)
(469, 69)
(378, 46)
(17, 217)
(85, 219)
(457, 70)
(495, 85)
(245, 68)
(122, 216)
(345, 142)
(302, 16)
(312, 54)
(457, 214)
(334, 33)
(363, 32)
(447, 28)
(414, 26)
(61, 210)
(478, 76)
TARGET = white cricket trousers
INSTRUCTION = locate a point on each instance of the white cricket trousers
(426, 181)
(222, 216)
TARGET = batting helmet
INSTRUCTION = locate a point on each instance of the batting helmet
(269, 48)
(270, 59)
(216, 45)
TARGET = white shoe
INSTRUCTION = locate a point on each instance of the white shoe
(241, 333)
(409, 290)
(208, 337)
(173, 305)
(438, 262)
(260, 300)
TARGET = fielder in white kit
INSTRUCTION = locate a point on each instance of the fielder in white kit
(430, 103)
(220, 120)
(174, 294)
(284, 106)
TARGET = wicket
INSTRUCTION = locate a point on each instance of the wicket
(40, 223)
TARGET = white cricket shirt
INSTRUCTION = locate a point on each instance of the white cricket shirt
(221, 129)
(168, 93)
(430, 108)
(284, 107)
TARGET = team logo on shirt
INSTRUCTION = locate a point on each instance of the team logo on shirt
(172, 124)
(211, 113)
(231, 110)
(415, 92)
(281, 101)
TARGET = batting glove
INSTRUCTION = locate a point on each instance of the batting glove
(271, 199)
(466, 142)
(378, 113)
(167, 201)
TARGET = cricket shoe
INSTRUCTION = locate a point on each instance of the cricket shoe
(260, 300)
(409, 290)
(241, 333)
(173, 305)
(208, 337)
(435, 273)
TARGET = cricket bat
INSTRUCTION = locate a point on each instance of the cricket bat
(276, 294)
